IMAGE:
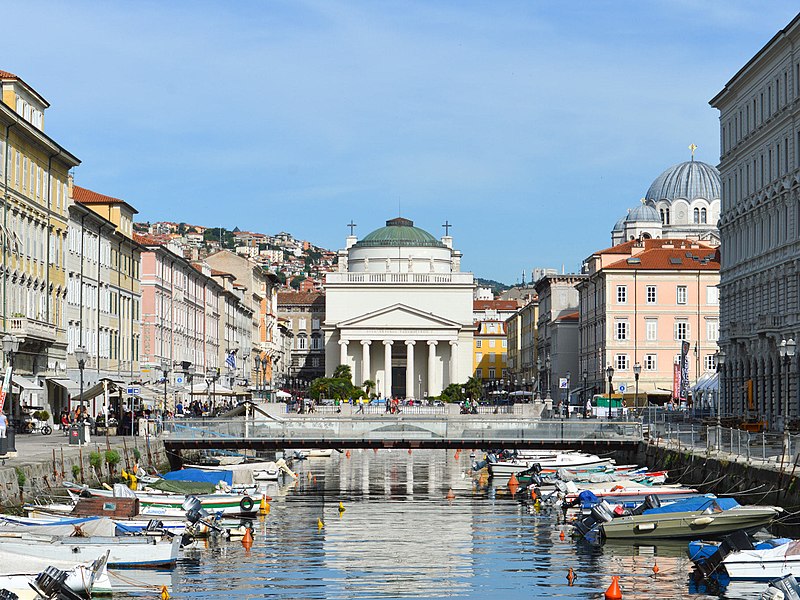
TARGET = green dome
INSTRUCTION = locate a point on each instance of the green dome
(399, 232)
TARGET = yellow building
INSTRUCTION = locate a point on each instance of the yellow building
(34, 188)
(490, 342)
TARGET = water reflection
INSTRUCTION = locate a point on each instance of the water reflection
(399, 537)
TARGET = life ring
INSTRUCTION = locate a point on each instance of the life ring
(616, 488)
(246, 504)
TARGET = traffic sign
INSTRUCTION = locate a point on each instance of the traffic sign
(179, 379)
(621, 387)
(134, 391)
(563, 383)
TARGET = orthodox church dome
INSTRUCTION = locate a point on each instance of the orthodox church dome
(619, 225)
(644, 213)
(689, 180)
(399, 232)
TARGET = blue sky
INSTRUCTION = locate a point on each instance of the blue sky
(531, 126)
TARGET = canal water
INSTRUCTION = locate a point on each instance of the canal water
(401, 537)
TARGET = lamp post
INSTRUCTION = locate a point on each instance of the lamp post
(721, 356)
(786, 350)
(637, 370)
(165, 365)
(539, 371)
(81, 355)
(610, 375)
(547, 365)
(585, 377)
(10, 348)
(264, 362)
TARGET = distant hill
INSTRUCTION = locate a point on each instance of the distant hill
(495, 286)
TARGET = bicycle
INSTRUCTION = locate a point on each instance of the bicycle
(36, 426)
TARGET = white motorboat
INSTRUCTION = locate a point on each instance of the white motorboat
(506, 468)
(256, 471)
(771, 563)
(40, 578)
(123, 551)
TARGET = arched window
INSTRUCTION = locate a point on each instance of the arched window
(696, 215)
(316, 341)
(302, 341)
(664, 216)
(703, 215)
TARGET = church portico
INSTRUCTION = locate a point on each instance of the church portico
(402, 290)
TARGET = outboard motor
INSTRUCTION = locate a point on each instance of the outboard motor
(6, 595)
(602, 512)
(650, 501)
(50, 584)
(738, 540)
(785, 588)
(191, 503)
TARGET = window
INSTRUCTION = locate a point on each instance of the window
(651, 294)
(314, 323)
(681, 294)
(301, 324)
(696, 215)
(492, 373)
(622, 294)
(621, 362)
(650, 362)
(710, 362)
(504, 373)
(651, 329)
(316, 342)
(479, 373)
(712, 330)
(681, 330)
(505, 344)
(302, 342)
(491, 343)
(478, 357)
(621, 330)
(504, 357)
(704, 213)
(492, 357)
(478, 343)
(712, 295)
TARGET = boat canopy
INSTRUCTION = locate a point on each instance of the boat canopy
(198, 475)
(697, 504)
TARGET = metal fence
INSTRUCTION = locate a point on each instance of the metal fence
(763, 446)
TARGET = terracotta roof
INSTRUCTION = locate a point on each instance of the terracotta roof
(7, 75)
(85, 196)
(679, 255)
(573, 316)
(216, 273)
(307, 298)
(494, 304)
(146, 240)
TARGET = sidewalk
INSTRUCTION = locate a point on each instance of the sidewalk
(36, 448)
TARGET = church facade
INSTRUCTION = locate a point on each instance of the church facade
(399, 312)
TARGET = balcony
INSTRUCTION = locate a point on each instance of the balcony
(400, 278)
(31, 330)
(769, 323)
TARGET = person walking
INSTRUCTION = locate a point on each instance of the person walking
(360, 408)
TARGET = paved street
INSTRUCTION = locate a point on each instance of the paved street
(37, 447)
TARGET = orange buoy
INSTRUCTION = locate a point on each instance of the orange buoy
(450, 495)
(561, 535)
(247, 539)
(375, 450)
(347, 454)
(533, 494)
(409, 450)
(571, 577)
(655, 568)
(513, 480)
(614, 592)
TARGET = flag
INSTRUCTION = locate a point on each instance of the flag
(230, 360)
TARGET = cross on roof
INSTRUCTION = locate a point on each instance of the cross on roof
(447, 227)
(352, 226)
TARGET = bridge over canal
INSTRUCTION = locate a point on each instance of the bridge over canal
(400, 431)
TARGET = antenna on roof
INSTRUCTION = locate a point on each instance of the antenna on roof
(692, 147)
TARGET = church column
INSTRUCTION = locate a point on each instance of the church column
(454, 362)
(343, 352)
(387, 367)
(410, 369)
(432, 368)
(366, 372)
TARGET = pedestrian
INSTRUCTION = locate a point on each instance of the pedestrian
(3, 424)
(360, 408)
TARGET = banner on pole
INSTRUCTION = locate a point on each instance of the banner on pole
(4, 391)
(684, 388)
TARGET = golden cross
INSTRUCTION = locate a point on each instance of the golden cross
(692, 147)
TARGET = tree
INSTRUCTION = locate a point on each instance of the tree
(296, 281)
(343, 372)
(368, 386)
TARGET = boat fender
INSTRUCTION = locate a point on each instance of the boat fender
(246, 504)
(703, 521)
(646, 526)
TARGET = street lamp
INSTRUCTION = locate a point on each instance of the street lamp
(81, 355)
(264, 362)
(583, 397)
(10, 348)
(610, 375)
(165, 365)
(539, 371)
(547, 370)
(786, 350)
(721, 356)
(637, 370)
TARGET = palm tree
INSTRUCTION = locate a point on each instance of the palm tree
(368, 386)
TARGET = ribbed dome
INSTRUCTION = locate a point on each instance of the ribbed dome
(644, 213)
(688, 180)
(619, 225)
(399, 232)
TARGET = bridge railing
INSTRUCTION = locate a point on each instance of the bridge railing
(332, 429)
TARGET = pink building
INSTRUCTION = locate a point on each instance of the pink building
(642, 298)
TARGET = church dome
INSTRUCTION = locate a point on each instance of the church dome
(399, 232)
(689, 180)
(619, 225)
(644, 213)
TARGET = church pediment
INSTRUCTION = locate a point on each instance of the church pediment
(399, 316)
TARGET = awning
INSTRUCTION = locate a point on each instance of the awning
(93, 392)
(25, 383)
(707, 383)
(73, 388)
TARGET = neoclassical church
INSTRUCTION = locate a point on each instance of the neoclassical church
(399, 312)
(682, 203)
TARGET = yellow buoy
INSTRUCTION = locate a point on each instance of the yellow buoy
(341, 508)
(164, 593)
(320, 524)
(264, 506)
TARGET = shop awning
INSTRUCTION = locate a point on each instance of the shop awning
(24, 383)
(73, 388)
